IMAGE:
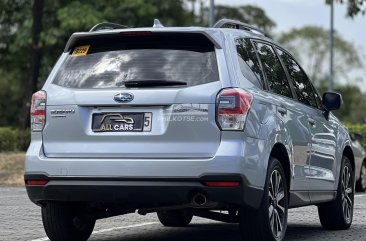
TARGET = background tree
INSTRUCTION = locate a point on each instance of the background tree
(310, 45)
(14, 58)
(354, 102)
(36, 58)
(22, 67)
(60, 18)
(354, 7)
(248, 14)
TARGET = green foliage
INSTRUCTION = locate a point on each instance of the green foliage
(358, 128)
(248, 14)
(354, 7)
(354, 102)
(310, 44)
(60, 20)
(13, 139)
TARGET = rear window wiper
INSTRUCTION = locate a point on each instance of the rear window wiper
(152, 83)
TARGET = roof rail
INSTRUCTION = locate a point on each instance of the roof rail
(229, 23)
(107, 26)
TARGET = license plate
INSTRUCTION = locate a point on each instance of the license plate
(121, 122)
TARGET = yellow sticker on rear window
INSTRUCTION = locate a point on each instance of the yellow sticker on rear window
(81, 50)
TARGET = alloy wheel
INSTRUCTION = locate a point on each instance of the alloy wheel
(276, 209)
(347, 191)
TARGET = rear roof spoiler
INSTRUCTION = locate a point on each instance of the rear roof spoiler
(97, 34)
(107, 26)
(111, 26)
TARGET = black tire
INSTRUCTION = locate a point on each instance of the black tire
(338, 214)
(63, 222)
(175, 218)
(259, 224)
(361, 183)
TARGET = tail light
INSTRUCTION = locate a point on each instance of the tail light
(36, 182)
(38, 111)
(232, 108)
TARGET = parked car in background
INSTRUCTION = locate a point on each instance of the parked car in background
(220, 123)
(360, 161)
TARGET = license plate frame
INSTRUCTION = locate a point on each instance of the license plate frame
(122, 122)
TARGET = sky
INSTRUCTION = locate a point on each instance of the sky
(288, 14)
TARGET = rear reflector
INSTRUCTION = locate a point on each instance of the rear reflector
(36, 182)
(222, 184)
(38, 111)
(233, 105)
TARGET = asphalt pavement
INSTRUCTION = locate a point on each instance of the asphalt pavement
(21, 220)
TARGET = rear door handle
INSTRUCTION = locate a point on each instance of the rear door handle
(282, 110)
(312, 121)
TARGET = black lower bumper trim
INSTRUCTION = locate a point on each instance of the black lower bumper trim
(141, 191)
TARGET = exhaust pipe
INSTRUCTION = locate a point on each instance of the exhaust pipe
(199, 199)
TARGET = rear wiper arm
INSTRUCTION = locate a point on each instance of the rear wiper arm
(152, 83)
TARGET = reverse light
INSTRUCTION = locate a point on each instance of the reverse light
(38, 111)
(232, 108)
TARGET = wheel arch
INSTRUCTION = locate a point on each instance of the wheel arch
(358, 175)
(362, 163)
(349, 154)
(279, 151)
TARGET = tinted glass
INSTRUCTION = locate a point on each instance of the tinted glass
(248, 61)
(109, 62)
(318, 100)
(303, 88)
(276, 76)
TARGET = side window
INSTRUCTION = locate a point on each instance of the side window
(248, 62)
(318, 100)
(303, 88)
(276, 76)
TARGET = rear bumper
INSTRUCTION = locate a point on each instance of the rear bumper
(142, 192)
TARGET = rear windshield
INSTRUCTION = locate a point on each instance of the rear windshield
(109, 62)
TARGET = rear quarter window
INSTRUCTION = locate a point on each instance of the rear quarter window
(248, 62)
(109, 62)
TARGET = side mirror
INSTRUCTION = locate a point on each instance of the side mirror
(357, 136)
(332, 101)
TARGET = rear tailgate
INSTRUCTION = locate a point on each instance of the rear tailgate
(85, 120)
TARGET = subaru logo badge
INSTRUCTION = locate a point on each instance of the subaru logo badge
(123, 97)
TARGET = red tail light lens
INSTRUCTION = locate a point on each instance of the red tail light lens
(36, 182)
(38, 111)
(233, 107)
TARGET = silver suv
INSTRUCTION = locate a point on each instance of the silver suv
(185, 121)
